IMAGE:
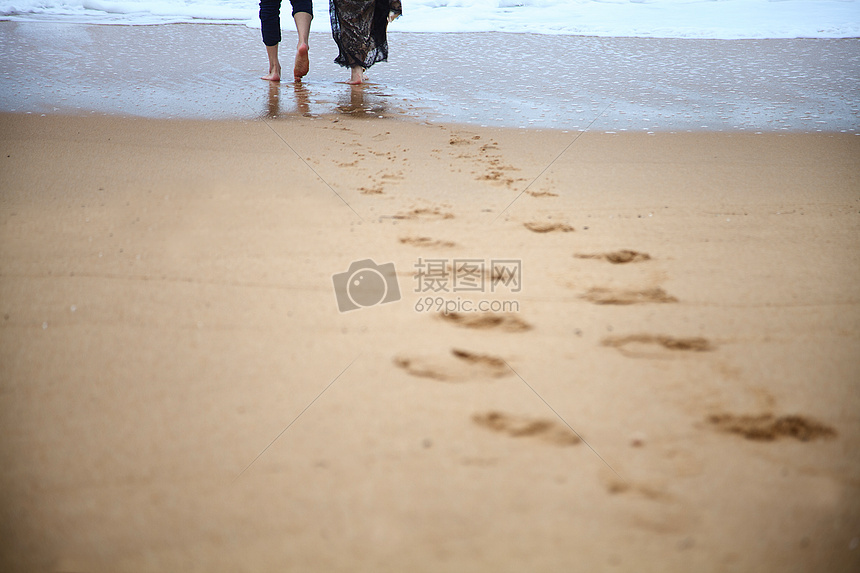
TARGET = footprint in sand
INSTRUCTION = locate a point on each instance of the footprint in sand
(767, 427)
(376, 187)
(490, 160)
(371, 190)
(457, 140)
(461, 365)
(618, 257)
(548, 227)
(484, 321)
(495, 168)
(522, 426)
(656, 345)
(616, 486)
(426, 242)
(424, 213)
(496, 175)
(665, 514)
(600, 295)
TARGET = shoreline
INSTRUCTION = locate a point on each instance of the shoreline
(340, 116)
(600, 84)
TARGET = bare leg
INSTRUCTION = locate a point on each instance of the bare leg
(274, 74)
(357, 77)
(303, 27)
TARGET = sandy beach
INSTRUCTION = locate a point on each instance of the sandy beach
(181, 392)
(193, 376)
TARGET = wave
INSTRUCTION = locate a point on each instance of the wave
(714, 19)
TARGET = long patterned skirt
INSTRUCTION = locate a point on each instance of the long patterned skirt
(358, 28)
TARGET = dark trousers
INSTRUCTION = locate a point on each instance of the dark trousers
(270, 17)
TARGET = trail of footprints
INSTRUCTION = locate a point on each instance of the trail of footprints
(462, 365)
(602, 295)
(487, 163)
(357, 153)
(486, 157)
(465, 366)
(760, 427)
(426, 214)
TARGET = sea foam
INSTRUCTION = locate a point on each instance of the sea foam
(714, 19)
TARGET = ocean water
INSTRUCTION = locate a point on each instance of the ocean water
(705, 19)
(734, 65)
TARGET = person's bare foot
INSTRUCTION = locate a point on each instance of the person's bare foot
(302, 64)
(357, 77)
(274, 74)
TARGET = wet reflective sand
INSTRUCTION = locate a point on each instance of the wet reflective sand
(519, 80)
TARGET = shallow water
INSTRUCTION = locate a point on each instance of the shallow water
(514, 80)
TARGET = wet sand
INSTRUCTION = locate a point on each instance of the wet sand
(178, 390)
(502, 80)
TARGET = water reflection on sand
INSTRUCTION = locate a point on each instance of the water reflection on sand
(364, 99)
(285, 99)
(300, 103)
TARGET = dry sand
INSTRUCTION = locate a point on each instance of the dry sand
(168, 318)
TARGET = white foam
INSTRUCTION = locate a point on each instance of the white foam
(717, 19)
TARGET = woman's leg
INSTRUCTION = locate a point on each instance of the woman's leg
(303, 28)
(270, 26)
(274, 74)
(357, 76)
